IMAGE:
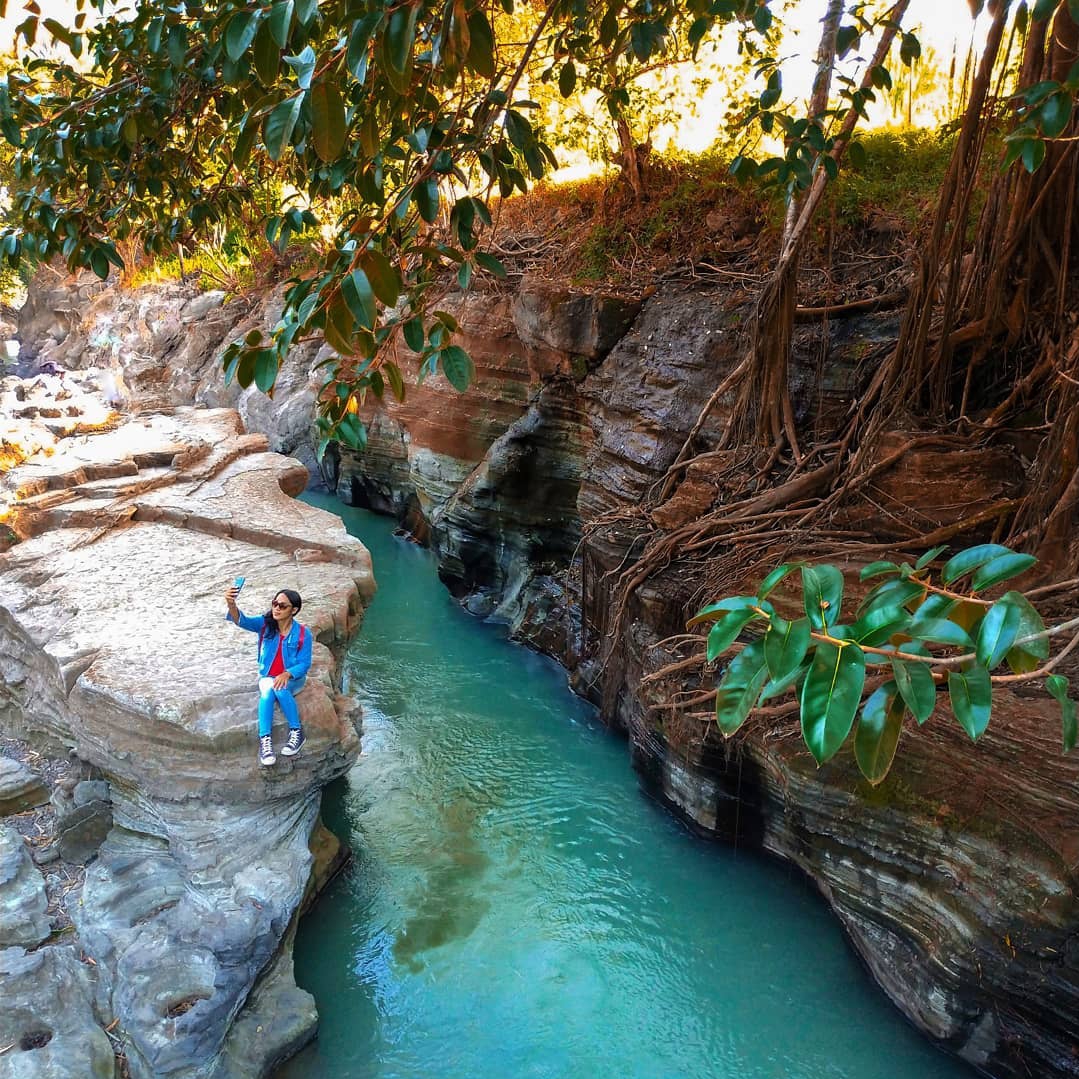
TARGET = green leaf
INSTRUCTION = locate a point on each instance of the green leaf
(1055, 114)
(936, 606)
(969, 560)
(724, 633)
(909, 49)
(303, 64)
(426, 196)
(777, 575)
(879, 729)
(785, 646)
(877, 569)
(830, 697)
(384, 278)
(822, 593)
(740, 686)
(481, 44)
(99, 263)
(176, 45)
(267, 57)
(245, 369)
(1057, 685)
(929, 556)
(239, 33)
(393, 377)
(567, 79)
(1043, 9)
(916, 685)
(398, 42)
(413, 331)
(940, 631)
(1028, 655)
(279, 125)
(971, 694)
(894, 593)
(265, 369)
(357, 292)
(306, 10)
(1001, 568)
(457, 367)
(880, 624)
(279, 19)
(998, 630)
(780, 685)
(327, 120)
(762, 18)
(731, 603)
(490, 264)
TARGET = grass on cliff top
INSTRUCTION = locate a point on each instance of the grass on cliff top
(694, 218)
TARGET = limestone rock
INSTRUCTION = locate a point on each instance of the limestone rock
(20, 789)
(24, 919)
(48, 1018)
(113, 641)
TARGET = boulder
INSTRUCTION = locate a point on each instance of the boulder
(24, 918)
(48, 1018)
(20, 789)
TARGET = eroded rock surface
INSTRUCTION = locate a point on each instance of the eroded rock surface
(113, 642)
(20, 789)
(161, 345)
(48, 1017)
(24, 920)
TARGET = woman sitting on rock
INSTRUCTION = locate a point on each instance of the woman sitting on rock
(284, 660)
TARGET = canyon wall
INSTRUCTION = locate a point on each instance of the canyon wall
(538, 487)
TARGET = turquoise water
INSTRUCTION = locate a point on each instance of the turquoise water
(517, 908)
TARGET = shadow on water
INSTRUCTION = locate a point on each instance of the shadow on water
(517, 908)
(449, 903)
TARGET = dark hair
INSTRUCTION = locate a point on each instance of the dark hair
(270, 623)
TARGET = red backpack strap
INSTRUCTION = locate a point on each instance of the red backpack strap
(303, 630)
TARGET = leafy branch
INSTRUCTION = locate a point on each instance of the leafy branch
(924, 633)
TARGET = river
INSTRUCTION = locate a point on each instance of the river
(517, 909)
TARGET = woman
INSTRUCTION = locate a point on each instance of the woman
(284, 652)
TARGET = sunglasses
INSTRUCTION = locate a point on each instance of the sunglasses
(281, 605)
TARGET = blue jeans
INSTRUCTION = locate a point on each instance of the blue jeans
(285, 698)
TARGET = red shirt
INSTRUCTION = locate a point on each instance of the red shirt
(278, 665)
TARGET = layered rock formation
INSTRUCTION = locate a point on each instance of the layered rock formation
(113, 645)
(161, 345)
(956, 878)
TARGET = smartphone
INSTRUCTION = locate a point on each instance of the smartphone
(238, 583)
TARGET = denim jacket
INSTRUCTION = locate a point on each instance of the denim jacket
(297, 659)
